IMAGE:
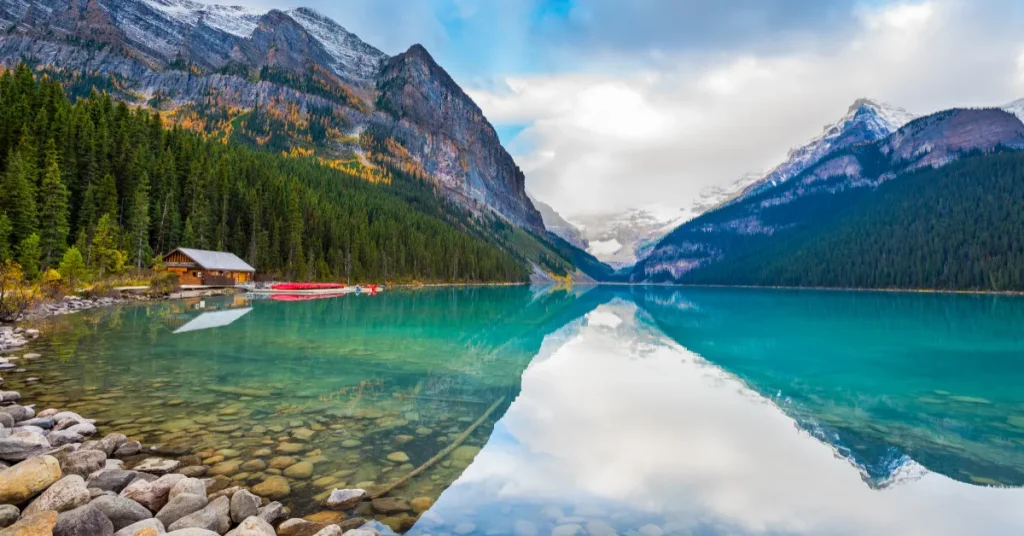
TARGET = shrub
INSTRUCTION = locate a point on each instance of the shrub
(52, 284)
(163, 283)
(16, 295)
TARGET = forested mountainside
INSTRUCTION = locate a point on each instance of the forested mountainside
(707, 249)
(959, 227)
(293, 83)
(119, 185)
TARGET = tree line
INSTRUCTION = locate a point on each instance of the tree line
(959, 227)
(112, 185)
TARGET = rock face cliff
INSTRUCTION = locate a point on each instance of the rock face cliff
(208, 61)
(761, 214)
(433, 116)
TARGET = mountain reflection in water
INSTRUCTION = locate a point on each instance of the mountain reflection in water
(626, 410)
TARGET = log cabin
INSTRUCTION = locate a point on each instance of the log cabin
(213, 268)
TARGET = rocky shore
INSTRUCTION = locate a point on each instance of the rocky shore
(57, 479)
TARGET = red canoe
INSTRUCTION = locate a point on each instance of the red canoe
(296, 297)
(307, 286)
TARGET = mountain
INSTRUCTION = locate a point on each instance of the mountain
(292, 82)
(866, 121)
(619, 239)
(554, 222)
(768, 215)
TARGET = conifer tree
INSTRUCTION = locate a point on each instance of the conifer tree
(107, 258)
(53, 212)
(18, 198)
(72, 267)
(29, 255)
(138, 223)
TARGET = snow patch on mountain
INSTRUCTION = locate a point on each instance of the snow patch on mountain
(351, 54)
(866, 121)
(620, 239)
(236, 20)
(1016, 108)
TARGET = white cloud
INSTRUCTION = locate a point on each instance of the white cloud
(636, 134)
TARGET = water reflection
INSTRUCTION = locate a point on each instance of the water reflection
(619, 429)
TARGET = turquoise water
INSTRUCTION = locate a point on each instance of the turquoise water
(617, 410)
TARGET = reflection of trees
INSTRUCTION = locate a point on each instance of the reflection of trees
(881, 376)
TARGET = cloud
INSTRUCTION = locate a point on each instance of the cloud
(663, 127)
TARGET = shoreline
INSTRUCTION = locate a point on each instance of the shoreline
(58, 474)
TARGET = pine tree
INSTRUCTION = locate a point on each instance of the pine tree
(107, 258)
(138, 223)
(29, 255)
(53, 213)
(5, 238)
(18, 198)
(72, 267)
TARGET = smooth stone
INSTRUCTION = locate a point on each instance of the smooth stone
(301, 470)
(112, 479)
(188, 485)
(121, 511)
(85, 520)
(398, 457)
(253, 526)
(390, 505)
(158, 466)
(146, 527)
(343, 499)
(274, 487)
(298, 527)
(330, 530)
(39, 524)
(244, 505)
(215, 516)
(66, 494)
(229, 467)
(273, 513)
(350, 443)
(63, 437)
(282, 462)
(253, 466)
(180, 506)
(360, 532)
(153, 495)
(23, 444)
(289, 448)
(192, 532)
(82, 462)
(193, 471)
(421, 504)
(9, 515)
(129, 448)
(28, 479)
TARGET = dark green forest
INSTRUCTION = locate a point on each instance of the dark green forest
(959, 227)
(119, 186)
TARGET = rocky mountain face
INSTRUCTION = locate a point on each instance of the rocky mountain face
(766, 210)
(554, 222)
(208, 66)
(620, 239)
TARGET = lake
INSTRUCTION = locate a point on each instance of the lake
(605, 410)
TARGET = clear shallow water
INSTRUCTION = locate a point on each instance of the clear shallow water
(620, 410)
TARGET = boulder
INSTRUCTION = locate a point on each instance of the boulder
(130, 448)
(253, 526)
(82, 462)
(121, 511)
(6, 420)
(39, 524)
(299, 527)
(83, 428)
(19, 413)
(274, 487)
(153, 495)
(158, 466)
(244, 505)
(273, 513)
(23, 444)
(187, 485)
(45, 423)
(151, 526)
(63, 437)
(28, 479)
(66, 494)
(112, 479)
(390, 505)
(180, 506)
(83, 521)
(343, 499)
(9, 515)
(108, 444)
(215, 517)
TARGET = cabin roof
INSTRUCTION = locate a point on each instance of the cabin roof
(216, 260)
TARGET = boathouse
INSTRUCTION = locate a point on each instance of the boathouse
(213, 268)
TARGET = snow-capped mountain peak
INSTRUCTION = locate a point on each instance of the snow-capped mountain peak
(236, 20)
(866, 120)
(1016, 108)
(350, 53)
(620, 239)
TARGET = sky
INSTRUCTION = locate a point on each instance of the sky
(610, 104)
